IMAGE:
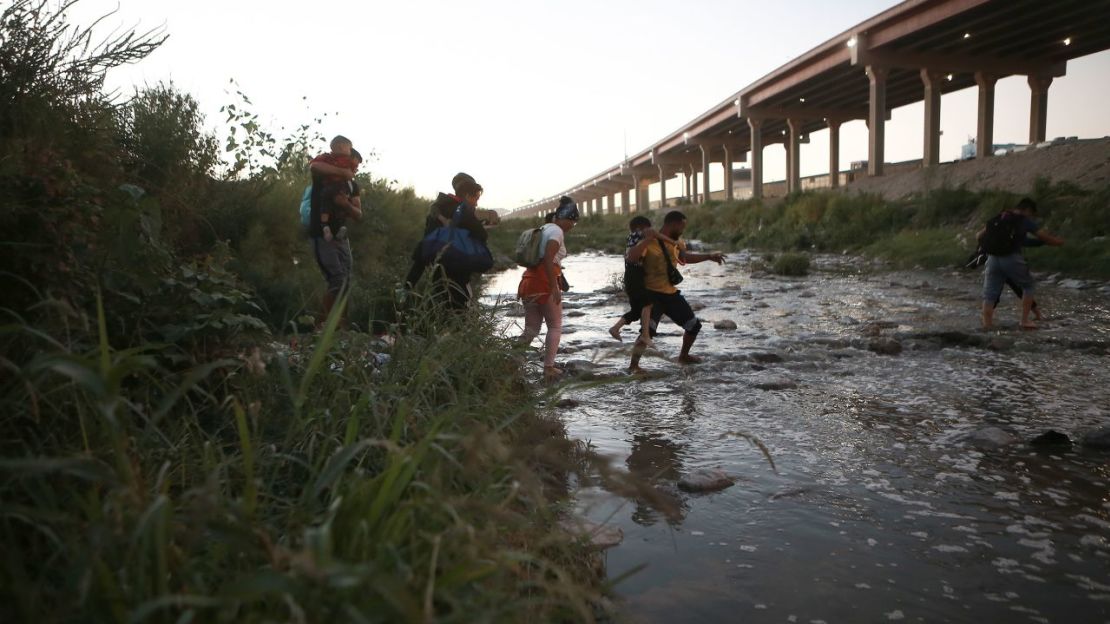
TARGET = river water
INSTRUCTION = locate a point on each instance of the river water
(877, 507)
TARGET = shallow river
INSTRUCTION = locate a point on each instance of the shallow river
(877, 508)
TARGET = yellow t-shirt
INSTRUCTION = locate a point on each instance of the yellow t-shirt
(655, 267)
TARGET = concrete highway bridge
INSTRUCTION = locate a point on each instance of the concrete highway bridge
(913, 52)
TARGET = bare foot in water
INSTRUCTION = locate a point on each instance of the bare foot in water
(635, 370)
(689, 359)
(552, 374)
(1029, 326)
(645, 343)
(615, 332)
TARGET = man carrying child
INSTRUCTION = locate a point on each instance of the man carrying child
(335, 198)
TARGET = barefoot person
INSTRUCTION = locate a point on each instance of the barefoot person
(1002, 239)
(660, 277)
(539, 287)
(639, 298)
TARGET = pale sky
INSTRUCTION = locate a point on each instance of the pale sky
(533, 97)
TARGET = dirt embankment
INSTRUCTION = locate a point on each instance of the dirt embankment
(1084, 163)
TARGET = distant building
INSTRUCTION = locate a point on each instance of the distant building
(967, 152)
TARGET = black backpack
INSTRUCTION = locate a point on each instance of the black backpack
(1001, 235)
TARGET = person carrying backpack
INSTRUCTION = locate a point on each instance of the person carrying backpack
(541, 289)
(1002, 239)
(460, 208)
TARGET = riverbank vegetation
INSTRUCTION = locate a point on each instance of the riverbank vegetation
(175, 446)
(936, 230)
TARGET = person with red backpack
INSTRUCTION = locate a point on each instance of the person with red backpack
(1002, 239)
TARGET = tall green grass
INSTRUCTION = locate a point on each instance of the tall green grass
(303, 485)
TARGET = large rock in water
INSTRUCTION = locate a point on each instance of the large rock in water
(725, 324)
(1098, 438)
(706, 480)
(990, 437)
(579, 367)
(885, 346)
(1051, 438)
(600, 536)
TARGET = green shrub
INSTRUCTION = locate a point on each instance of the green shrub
(792, 264)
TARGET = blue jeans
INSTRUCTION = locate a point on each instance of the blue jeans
(999, 269)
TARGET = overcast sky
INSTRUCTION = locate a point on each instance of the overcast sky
(533, 97)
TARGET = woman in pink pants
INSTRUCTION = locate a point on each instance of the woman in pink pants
(539, 287)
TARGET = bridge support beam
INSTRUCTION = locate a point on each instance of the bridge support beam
(662, 187)
(876, 119)
(705, 160)
(625, 209)
(728, 172)
(756, 126)
(834, 153)
(1038, 108)
(932, 81)
(793, 156)
(984, 135)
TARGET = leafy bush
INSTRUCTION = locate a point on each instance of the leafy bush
(791, 264)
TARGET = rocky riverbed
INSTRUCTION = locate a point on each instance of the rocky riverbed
(884, 458)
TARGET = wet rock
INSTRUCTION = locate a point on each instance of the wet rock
(575, 314)
(989, 437)
(697, 306)
(1051, 438)
(773, 382)
(706, 480)
(1097, 438)
(1074, 284)
(831, 343)
(725, 325)
(766, 358)
(1000, 343)
(567, 404)
(885, 346)
(761, 304)
(788, 492)
(579, 367)
(600, 536)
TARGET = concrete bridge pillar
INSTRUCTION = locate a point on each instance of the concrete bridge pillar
(984, 135)
(637, 187)
(728, 172)
(705, 158)
(834, 152)
(756, 126)
(793, 156)
(688, 174)
(932, 81)
(662, 187)
(876, 120)
(1038, 107)
(624, 202)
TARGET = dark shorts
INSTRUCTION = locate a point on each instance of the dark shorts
(638, 294)
(675, 308)
(334, 260)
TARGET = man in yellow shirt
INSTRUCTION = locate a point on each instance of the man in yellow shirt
(666, 299)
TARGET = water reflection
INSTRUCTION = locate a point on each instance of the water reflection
(657, 461)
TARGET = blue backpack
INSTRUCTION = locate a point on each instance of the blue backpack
(306, 206)
(452, 247)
